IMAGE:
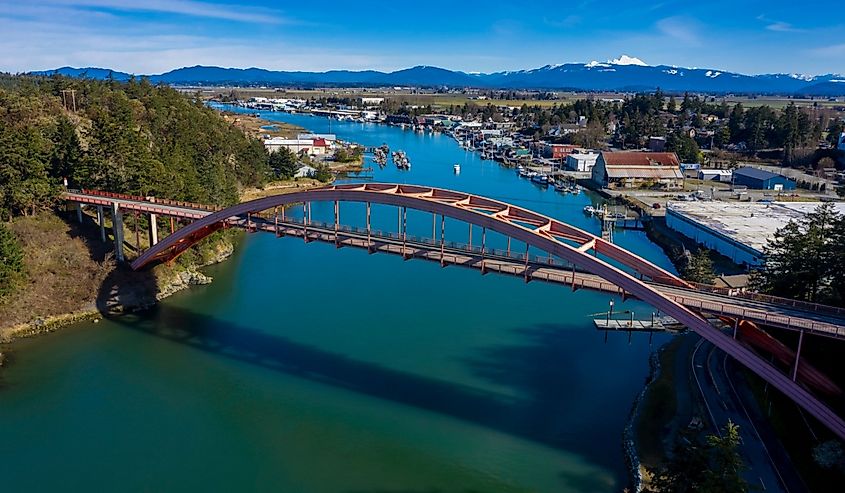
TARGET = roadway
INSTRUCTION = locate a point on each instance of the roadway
(822, 322)
(769, 466)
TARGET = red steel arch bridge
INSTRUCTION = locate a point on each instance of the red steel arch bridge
(576, 259)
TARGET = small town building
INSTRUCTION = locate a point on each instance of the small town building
(581, 162)
(760, 179)
(305, 172)
(720, 175)
(311, 147)
(330, 138)
(737, 230)
(657, 144)
(558, 152)
(638, 169)
(372, 101)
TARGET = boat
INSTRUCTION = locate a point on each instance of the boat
(588, 209)
(562, 187)
(540, 179)
(456, 168)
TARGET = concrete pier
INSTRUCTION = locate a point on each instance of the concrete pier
(101, 221)
(117, 229)
(153, 230)
(79, 212)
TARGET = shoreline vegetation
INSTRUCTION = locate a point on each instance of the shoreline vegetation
(130, 138)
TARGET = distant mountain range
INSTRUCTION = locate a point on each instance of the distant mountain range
(626, 74)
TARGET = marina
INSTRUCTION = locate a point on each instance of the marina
(445, 400)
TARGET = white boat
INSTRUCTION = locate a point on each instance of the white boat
(589, 210)
(457, 168)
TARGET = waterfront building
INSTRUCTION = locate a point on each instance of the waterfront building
(581, 162)
(311, 147)
(558, 152)
(739, 231)
(329, 138)
(638, 169)
(720, 175)
(760, 179)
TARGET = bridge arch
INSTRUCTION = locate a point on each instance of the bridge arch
(537, 230)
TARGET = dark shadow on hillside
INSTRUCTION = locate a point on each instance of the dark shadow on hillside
(224, 339)
(122, 287)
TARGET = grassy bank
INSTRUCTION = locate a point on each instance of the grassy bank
(658, 408)
(63, 270)
(71, 275)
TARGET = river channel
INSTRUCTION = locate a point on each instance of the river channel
(306, 368)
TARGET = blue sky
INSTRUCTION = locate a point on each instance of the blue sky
(154, 36)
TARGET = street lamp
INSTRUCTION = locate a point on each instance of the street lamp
(610, 313)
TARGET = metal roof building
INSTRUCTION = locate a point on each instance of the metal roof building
(737, 230)
(760, 179)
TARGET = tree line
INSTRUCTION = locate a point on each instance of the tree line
(129, 137)
(805, 260)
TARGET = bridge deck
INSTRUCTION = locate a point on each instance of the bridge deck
(828, 321)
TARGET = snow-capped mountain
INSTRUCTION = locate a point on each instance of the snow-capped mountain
(625, 73)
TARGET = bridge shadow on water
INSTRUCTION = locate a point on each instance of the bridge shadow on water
(528, 418)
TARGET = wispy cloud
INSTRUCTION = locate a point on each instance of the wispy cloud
(778, 26)
(192, 8)
(831, 51)
(565, 22)
(679, 29)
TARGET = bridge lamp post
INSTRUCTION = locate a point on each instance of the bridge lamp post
(610, 312)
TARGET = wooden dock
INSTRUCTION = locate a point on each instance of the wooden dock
(658, 324)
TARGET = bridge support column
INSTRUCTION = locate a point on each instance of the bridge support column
(483, 243)
(525, 272)
(101, 216)
(404, 231)
(117, 230)
(305, 217)
(736, 326)
(469, 243)
(78, 212)
(276, 220)
(153, 230)
(433, 227)
(509, 246)
(336, 223)
(369, 232)
(442, 240)
(172, 225)
(798, 356)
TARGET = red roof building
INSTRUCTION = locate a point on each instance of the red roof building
(638, 169)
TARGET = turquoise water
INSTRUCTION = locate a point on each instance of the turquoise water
(304, 368)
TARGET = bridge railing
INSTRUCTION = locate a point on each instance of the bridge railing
(765, 298)
(152, 200)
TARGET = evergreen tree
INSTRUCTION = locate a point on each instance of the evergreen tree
(699, 267)
(283, 162)
(11, 262)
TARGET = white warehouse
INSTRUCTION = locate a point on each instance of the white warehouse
(739, 231)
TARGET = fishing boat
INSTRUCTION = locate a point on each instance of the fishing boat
(562, 187)
(456, 168)
(588, 209)
(540, 179)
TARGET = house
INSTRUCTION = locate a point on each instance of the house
(581, 162)
(372, 101)
(305, 172)
(657, 144)
(638, 169)
(720, 175)
(558, 152)
(760, 179)
(311, 147)
(330, 138)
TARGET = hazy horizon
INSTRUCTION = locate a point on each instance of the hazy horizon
(156, 36)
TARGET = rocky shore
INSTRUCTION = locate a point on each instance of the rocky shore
(126, 294)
